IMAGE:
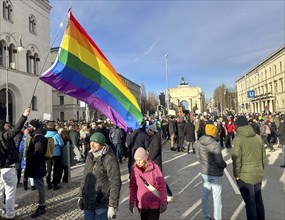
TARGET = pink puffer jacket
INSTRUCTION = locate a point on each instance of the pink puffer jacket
(140, 194)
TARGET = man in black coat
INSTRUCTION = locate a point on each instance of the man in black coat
(154, 150)
(139, 138)
(8, 158)
(35, 163)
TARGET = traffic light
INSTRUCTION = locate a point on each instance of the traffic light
(162, 99)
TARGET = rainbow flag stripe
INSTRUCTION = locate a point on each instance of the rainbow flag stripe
(82, 71)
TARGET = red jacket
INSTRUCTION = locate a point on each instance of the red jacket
(140, 194)
(231, 128)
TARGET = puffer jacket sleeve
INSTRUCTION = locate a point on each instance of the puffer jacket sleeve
(161, 184)
(114, 177)
(236, 157)
(133, 189)
(218, 156)
(88, 164)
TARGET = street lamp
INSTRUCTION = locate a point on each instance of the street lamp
(19, 48)
(166, 92)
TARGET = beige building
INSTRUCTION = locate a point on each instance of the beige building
(24, 47)
(265, 85)
(66, 107)
(188, 97)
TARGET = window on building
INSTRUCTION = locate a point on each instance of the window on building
(275, 69)
(12, 57)
(7, 10)
(281, 85)
(34, 103)
(1, 54)
(36, 64)
(29, 60)
(275, 87)
(32, 24)
(62, 116)
(280, 67)
(77, 115)
(61, 100)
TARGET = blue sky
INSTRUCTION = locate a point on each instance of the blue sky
(208, 42)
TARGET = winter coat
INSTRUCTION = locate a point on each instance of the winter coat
(101, 182)
(35, 155)
(8, 141)
(74, 137)
(154, 149)
(139, 138)
(116, 135)
(189, 130)
(58, 142)
(208, 153)
(140, 194)
(180, 128)
(248, 155)
(172, 127)
(281, 132)
(21, 151)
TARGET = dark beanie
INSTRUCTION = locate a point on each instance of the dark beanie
(35, 123)
(241, 121)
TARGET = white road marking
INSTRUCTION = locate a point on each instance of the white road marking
(191, 209)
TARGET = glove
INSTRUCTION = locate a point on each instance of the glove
(111, 212)
(80, 203)
(132, 208)
(163, 208)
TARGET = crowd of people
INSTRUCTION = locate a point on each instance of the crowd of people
(104, 146)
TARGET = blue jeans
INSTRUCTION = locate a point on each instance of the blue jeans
(214, 184)
(97, 214)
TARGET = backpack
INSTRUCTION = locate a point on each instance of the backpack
(9, 153)
(49, 149)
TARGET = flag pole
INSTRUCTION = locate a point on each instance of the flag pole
(48, 54)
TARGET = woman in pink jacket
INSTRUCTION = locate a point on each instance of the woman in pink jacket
(150, 200)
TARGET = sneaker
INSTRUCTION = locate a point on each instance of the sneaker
(173, 149)
(39, 211)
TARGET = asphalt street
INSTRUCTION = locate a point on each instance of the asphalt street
(182, 173)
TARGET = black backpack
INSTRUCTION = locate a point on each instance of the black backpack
(9, 153)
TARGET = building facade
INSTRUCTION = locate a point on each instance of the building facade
(67, 108)
(24, 48)
(262, 89)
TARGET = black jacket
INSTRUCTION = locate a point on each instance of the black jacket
(8, 144)
(35, 157)
(101, 183)
(281, 132)
(154, 149)
(210, 157)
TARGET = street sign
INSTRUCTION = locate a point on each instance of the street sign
(251, 94)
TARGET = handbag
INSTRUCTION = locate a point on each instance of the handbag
(151, 187)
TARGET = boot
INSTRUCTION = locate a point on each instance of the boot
(25, 184)
(193, 150)
(188, 149)
(283, 166)
(39, 211)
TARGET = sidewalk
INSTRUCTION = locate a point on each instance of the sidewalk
(60, 204)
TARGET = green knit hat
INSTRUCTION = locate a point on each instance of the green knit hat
(98, 137)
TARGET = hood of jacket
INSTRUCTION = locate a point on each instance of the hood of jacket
(205, 140)
(40, 130)
(246, 131)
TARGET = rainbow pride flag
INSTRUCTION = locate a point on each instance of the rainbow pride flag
(82, 71)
